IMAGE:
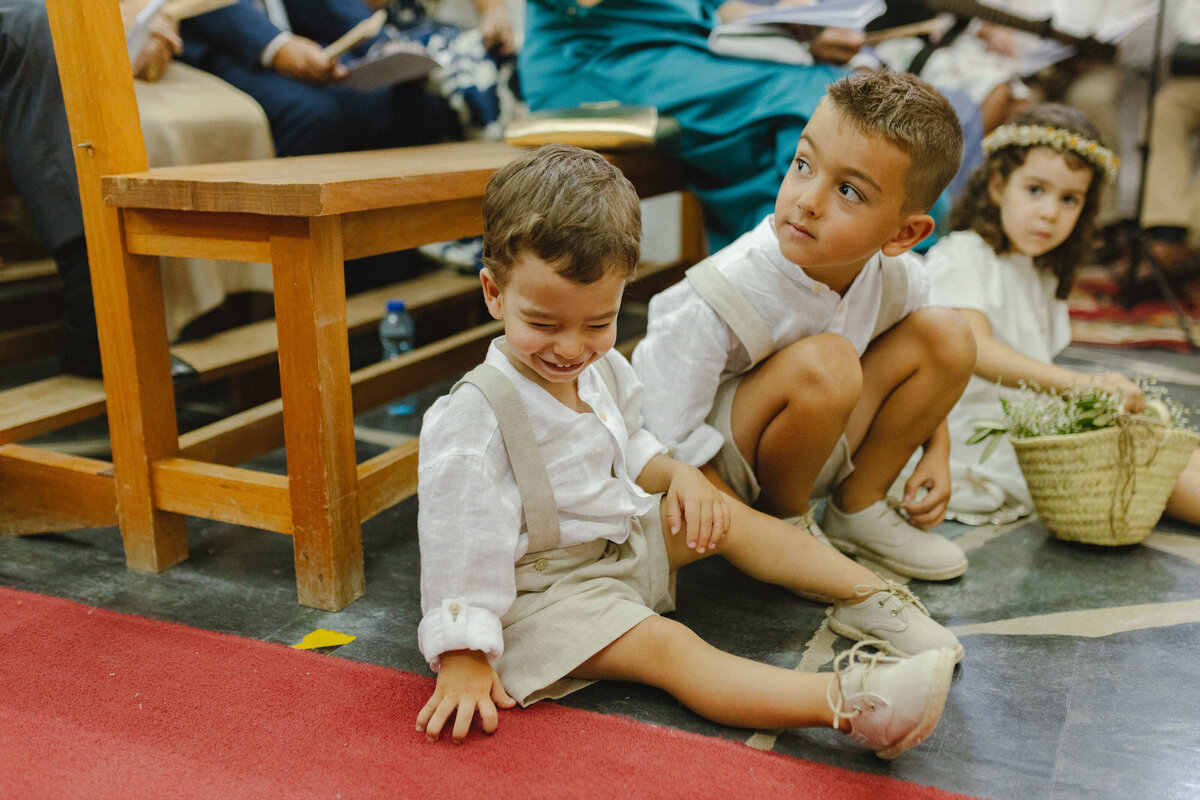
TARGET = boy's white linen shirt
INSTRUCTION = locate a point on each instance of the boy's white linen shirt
(688, 350)
(470, 523)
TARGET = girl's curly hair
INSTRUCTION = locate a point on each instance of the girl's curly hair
(976, 211)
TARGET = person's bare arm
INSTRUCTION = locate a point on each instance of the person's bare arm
(996, 361)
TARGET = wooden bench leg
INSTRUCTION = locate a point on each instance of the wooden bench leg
(318, 415)
(127, 288)
(140, 397)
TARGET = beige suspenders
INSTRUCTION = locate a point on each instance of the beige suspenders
(750, 329)
(732, 307)
(537, 498)
(533, 482)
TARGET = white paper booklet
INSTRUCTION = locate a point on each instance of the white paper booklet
(765, 35)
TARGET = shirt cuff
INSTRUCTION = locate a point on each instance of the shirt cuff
(268, 53)
(643, 446)
(700, 446)
(454, 625)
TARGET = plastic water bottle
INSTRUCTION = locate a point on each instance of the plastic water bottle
(396, 336)
(396, 331)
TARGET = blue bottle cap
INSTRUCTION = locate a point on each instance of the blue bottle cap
(395, 305)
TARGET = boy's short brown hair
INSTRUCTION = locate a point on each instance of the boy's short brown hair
(567, 206)
(912, 115)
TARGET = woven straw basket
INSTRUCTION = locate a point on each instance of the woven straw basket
(1106, 487)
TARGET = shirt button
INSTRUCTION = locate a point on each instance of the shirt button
(454, 608)
(603, 417)
(571, 11)
(540, 564)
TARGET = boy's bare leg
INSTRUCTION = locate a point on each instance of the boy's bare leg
(1184, 502)
(788, 414)
(768, 549)
(725, 688)
(736, 691)
(912, 377)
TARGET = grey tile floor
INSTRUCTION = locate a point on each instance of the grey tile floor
(1081, 677)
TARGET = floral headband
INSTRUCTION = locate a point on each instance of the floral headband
(1059, 139)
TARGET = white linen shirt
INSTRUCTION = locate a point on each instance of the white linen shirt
(470, 522)
(689, 351)
(1018, 300)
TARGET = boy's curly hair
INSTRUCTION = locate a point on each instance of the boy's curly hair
(910, 114)
(569, 207)
(976, 211)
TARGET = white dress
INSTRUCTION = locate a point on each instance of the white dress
(1018, 300)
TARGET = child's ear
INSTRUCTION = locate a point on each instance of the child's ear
(913, 229)
(995, 187)
(491, 293)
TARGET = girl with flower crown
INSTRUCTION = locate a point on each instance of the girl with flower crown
(1020, 230)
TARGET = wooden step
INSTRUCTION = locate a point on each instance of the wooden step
(52, 403)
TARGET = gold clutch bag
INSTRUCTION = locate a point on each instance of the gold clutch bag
(600, 126)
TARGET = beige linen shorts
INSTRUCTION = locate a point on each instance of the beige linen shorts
(733, 469)
(575, 601)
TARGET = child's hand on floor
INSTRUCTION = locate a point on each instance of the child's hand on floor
(927, 510)
(466, 683)
(697, 508)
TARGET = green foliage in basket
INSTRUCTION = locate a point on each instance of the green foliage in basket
(1032, 412)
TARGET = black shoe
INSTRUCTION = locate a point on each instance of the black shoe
(183, 374)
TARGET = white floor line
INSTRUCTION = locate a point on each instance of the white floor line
(979, 535)
(1092, 623)
(1177, 544)
(380, 437)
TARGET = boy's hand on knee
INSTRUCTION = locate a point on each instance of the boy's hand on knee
(467, 683)
(696, 508)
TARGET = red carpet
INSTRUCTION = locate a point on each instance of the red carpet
(1098, 318)
(95, 704)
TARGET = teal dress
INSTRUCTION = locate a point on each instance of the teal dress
(741, 118)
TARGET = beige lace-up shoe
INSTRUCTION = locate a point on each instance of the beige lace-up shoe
(892, 704)
(880, 533)
(895, 617)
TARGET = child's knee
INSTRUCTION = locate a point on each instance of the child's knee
(825, 370)
(945, 338)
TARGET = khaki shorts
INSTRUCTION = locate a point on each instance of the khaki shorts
(575, 601)
(734, 470)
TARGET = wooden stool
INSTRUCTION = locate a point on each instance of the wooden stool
(305, 216)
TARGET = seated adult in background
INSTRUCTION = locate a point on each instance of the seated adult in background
(273, 52)
(476, 53)
(740, 118)
(37, 146)
(1171, 209)
(191, 117)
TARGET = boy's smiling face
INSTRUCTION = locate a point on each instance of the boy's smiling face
(555, 326)
(842, 200)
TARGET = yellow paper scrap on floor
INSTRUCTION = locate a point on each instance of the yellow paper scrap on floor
(323, 638)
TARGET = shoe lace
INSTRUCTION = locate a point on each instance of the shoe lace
(843, 664)
(895, 508)
(808, 520)
(902, 593)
